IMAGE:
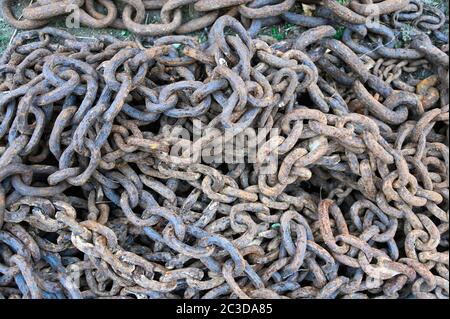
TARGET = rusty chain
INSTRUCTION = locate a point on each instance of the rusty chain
(170, 16)
(100, 196)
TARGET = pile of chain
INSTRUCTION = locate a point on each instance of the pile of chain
(100, 196)
(187, 16)
(133, 14)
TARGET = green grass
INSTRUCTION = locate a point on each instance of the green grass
(343, 2)
(202, 37)
(339, 33)
(407, 33)
(399, 44)
(439, 4)
(5, 35)
(281, 32)
(434, 3)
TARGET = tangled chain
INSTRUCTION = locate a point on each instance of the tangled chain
(133, 15)
(97, 201)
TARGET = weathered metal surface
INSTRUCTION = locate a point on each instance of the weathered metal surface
(100, 196)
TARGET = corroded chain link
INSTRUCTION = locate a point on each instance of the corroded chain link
(172, 18)
(106, 190)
